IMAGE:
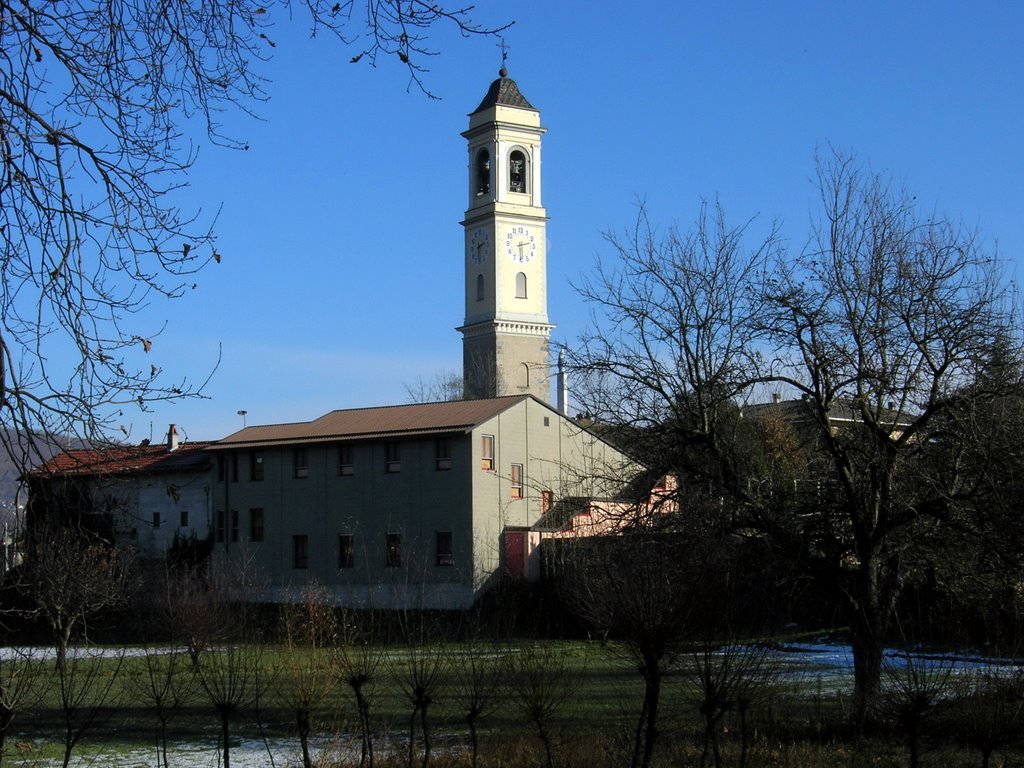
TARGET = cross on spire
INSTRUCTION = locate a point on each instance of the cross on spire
(504, 56)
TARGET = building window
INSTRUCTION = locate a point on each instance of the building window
(444, 548)
(394, 550)
(184, 519)
(220, 525)
(479, 287)
(301, 463)
(393, 459)
(256, 465)
(346, 550)
(156, 519)
(234, 467)
(234, 525)
(221, 459)
(487, 453)
(517, 481)
(517, 171)
(443, 453)
(256, 524)
(483, 172)
(300, 551)
(345, 465)
(547, 500)
(520, 285)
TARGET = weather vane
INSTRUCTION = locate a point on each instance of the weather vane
(504, 55)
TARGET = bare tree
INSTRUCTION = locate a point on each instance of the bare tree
(98, 103)
(445, 387)
(912, 688)
(540, 682)
(882, 325)
(87, 693)
(20, 677)
(72, 575)
(308, 672)
(360, 653)
(166, 683)
(636, 589)
(889, 315)
(477, 680)
(727, 677)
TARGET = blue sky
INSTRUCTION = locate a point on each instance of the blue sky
(341, 280)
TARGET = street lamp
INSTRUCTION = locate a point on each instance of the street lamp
(242, 414)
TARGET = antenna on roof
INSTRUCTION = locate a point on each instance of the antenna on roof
(242, 413)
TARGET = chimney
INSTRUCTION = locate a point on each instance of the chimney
(562, 383)
(172, 437)
(776, 397)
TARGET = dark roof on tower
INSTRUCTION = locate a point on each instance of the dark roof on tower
(505, 92)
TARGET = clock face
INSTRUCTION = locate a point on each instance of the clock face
(520, 244)
(479, 246)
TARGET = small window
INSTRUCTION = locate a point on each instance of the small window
(547, 422)
(547, 499)
(156, 520)
(345, 465)
(300, 551)
(183, 519)
(521, 285)
(256, 524)
(483, 172)
(234, 467)
(443, 453)
(517, 171)
(487, 453)
(346, 550)
(220, 525)
(301, 461)
(394, 550)
(517, 481)
(221, 467)
(444, 548)
(393, 459)
(256, 465)
(234, 525)
(479, 287)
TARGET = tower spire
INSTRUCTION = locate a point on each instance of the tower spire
(506, 331)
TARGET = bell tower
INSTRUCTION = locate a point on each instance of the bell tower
(506, 330)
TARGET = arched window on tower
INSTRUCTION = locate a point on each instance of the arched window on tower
(517, 171)
(479, 287)
(483, 172)
(521, 285)
(524, 376)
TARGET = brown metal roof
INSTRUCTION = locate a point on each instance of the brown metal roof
(366, 423)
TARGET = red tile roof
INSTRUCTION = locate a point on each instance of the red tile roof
(365, 423)
(121, 460)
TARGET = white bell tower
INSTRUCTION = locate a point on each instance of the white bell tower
(506, 330)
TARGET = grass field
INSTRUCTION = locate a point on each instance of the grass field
(589, 693)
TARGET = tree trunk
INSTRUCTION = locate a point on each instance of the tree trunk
(652, 698)
(225, 738)
(302, 716)
(473, 740)
(867, 633)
